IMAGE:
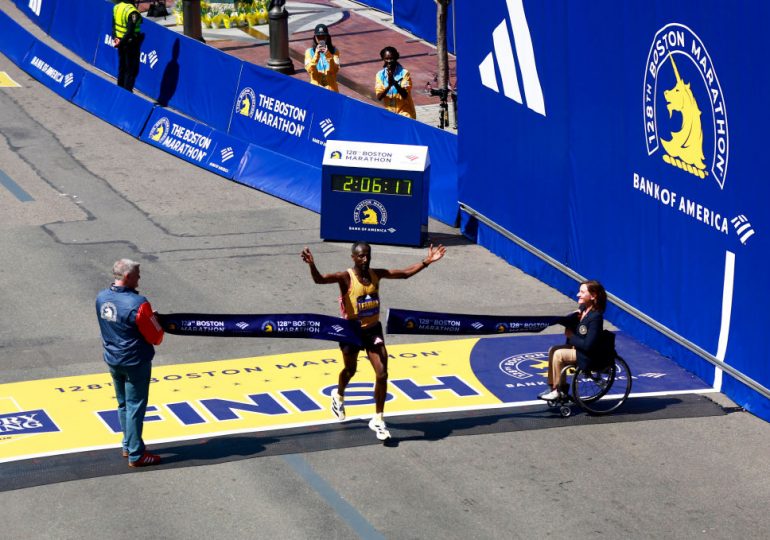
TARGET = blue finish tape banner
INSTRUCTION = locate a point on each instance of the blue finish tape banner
(627, 147)
(296, 325)
(405, 321)
(15, 41)
(194, 142)
(40, 12)
(113, 104)
(53, 70)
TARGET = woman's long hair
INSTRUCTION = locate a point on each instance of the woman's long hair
(597, 289)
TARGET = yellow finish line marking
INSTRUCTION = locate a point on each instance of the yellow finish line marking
(191, 401)
(7, 81)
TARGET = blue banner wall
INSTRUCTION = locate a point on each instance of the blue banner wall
(40, 12)
(419, 18)
(626, 148)
(113, 104)
(68, 29)
(194, 142)
(53, 70)
(15, 42)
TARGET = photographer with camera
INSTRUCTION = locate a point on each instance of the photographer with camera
(127, 38)
(322, 60)
(393, 85)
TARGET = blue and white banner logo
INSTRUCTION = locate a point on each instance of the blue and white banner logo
(681, 78)
(160, 130)
(504, 57)
(296, 325)
(26, 422)
(246, 103)
(405, 321)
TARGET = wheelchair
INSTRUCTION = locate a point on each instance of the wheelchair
(597, 391)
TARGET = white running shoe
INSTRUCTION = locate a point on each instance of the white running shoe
(550, 396)
(380, 429)
(338, 407)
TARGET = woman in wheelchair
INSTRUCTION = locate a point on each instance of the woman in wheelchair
(583, 329)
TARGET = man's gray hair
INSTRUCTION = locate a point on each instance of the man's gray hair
(123, 267)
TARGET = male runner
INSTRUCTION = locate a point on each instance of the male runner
(359, 299)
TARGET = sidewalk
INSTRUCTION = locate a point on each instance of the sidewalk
(358, 31)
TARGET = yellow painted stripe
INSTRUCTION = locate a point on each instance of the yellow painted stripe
(189, 401)
(7, 81)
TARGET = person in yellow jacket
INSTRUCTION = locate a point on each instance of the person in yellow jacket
(127, 37)
(360, 299)
(322, 60)
(393, 85)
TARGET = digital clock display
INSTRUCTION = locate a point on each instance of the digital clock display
(371, 184)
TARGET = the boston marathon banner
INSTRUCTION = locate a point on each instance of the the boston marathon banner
(407, 321)
(194, 142)
(294, 325)
(629, 147)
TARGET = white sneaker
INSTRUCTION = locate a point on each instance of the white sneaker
(338, 407)
(550, 396)
(380, 429)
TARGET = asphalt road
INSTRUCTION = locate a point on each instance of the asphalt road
(207, 244)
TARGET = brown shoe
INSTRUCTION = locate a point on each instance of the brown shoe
(145, 461)
(125, 453)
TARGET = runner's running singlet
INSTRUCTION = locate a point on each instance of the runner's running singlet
(362, 302)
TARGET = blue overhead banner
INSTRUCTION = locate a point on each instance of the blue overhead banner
(626, 148)
(194, 142)
(53, 70)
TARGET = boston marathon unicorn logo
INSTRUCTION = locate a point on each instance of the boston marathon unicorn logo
(246, 102)
(693, 130)
(159, 130)
(685, 149)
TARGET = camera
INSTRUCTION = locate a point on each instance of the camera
(321, 44)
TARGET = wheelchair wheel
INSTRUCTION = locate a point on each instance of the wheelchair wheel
(602, 391)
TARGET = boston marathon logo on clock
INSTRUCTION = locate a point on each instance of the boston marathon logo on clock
(370, 212)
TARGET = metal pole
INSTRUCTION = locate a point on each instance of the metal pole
(191, 13)
(279, 38)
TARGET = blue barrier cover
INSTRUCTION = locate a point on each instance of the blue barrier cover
(631, 159)
(38, 11)
(113, 104)
(281, 176)
(194, 142)
(382, 5)
(419, 18)
(15, 41)
(53, 70)
(70, 28)
(285, 115)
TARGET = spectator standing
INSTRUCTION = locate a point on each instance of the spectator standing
(322, 60)
(393, 84)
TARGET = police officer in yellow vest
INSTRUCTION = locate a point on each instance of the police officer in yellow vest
(127, 38)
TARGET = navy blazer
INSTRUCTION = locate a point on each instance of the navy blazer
(587, 339)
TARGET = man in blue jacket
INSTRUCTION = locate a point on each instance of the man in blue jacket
(129, 330)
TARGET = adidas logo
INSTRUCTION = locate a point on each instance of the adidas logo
(326, 127)
(242, 325)
(35, 6)
(68, 78)
(477, 325)
(503, 58)
(742, 228)
(227, 153)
